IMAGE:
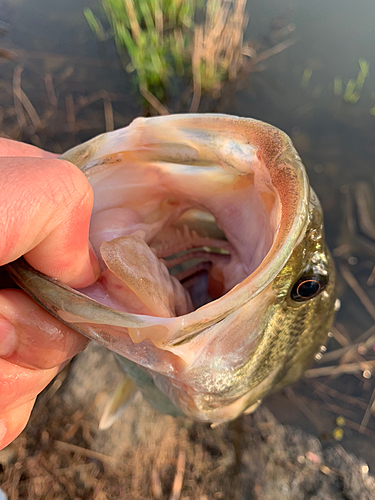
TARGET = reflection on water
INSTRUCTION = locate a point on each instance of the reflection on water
(336, 142)
(77, 89)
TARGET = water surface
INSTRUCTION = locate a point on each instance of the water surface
(335, 139)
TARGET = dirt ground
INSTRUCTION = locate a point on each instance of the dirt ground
(145, 455)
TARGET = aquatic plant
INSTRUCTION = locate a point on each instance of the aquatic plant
(162, 42)
(354, 87)
(347, 91)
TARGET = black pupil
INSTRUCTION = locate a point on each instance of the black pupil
(308, 288)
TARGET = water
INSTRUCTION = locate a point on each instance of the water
(334, 138)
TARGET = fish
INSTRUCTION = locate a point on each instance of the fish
(216, 284)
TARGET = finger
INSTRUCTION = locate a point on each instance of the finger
(12, 422)
(31, 337)
(45, 214)
(18, 384)
(15, 148)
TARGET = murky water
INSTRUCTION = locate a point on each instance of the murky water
(298, 91)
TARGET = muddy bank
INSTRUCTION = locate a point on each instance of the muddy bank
(146, 455)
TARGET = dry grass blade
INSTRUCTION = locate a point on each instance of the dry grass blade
(24, 100)
(179, 477)
(155, 484)
(220, 50)
(134, 25)
(16, 96)
(48, 81)
(154, 101)
(280, 47)
(196, 63)
(34, 117)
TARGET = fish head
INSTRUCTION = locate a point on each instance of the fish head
(216, 282)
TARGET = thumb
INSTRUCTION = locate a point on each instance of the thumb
(45, 214)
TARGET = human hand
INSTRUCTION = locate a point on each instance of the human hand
(45, 210)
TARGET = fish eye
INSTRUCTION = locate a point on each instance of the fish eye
(308, 287)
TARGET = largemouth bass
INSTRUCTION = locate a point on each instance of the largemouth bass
(216, 285)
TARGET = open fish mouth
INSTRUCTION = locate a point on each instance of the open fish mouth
(194, 218)
(221, 200)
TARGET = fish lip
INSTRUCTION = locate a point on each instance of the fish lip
(277, 151)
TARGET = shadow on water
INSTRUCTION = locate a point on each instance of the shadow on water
(73, 80)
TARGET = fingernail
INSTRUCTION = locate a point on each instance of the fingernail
(8, 337)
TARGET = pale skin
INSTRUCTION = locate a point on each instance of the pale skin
(45, 210)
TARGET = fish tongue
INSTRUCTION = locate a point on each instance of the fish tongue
(131, 260)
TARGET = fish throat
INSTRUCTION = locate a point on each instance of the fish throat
(172, 237)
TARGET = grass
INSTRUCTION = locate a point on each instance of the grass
(162, 42)
(183, 50)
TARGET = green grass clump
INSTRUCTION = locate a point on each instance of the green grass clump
(156, 36)
(173, 44)
(354, 88)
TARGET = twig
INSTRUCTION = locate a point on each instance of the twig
(338, 370)
(322, 387)
(371, 278)
(179, 477)
(85, 452)
(34, 117)
(366, 416)
(339, 410)
(48, 82)
(108, 114)
(266, 54)
(356, 427)
(336, 354)
(366, 341)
